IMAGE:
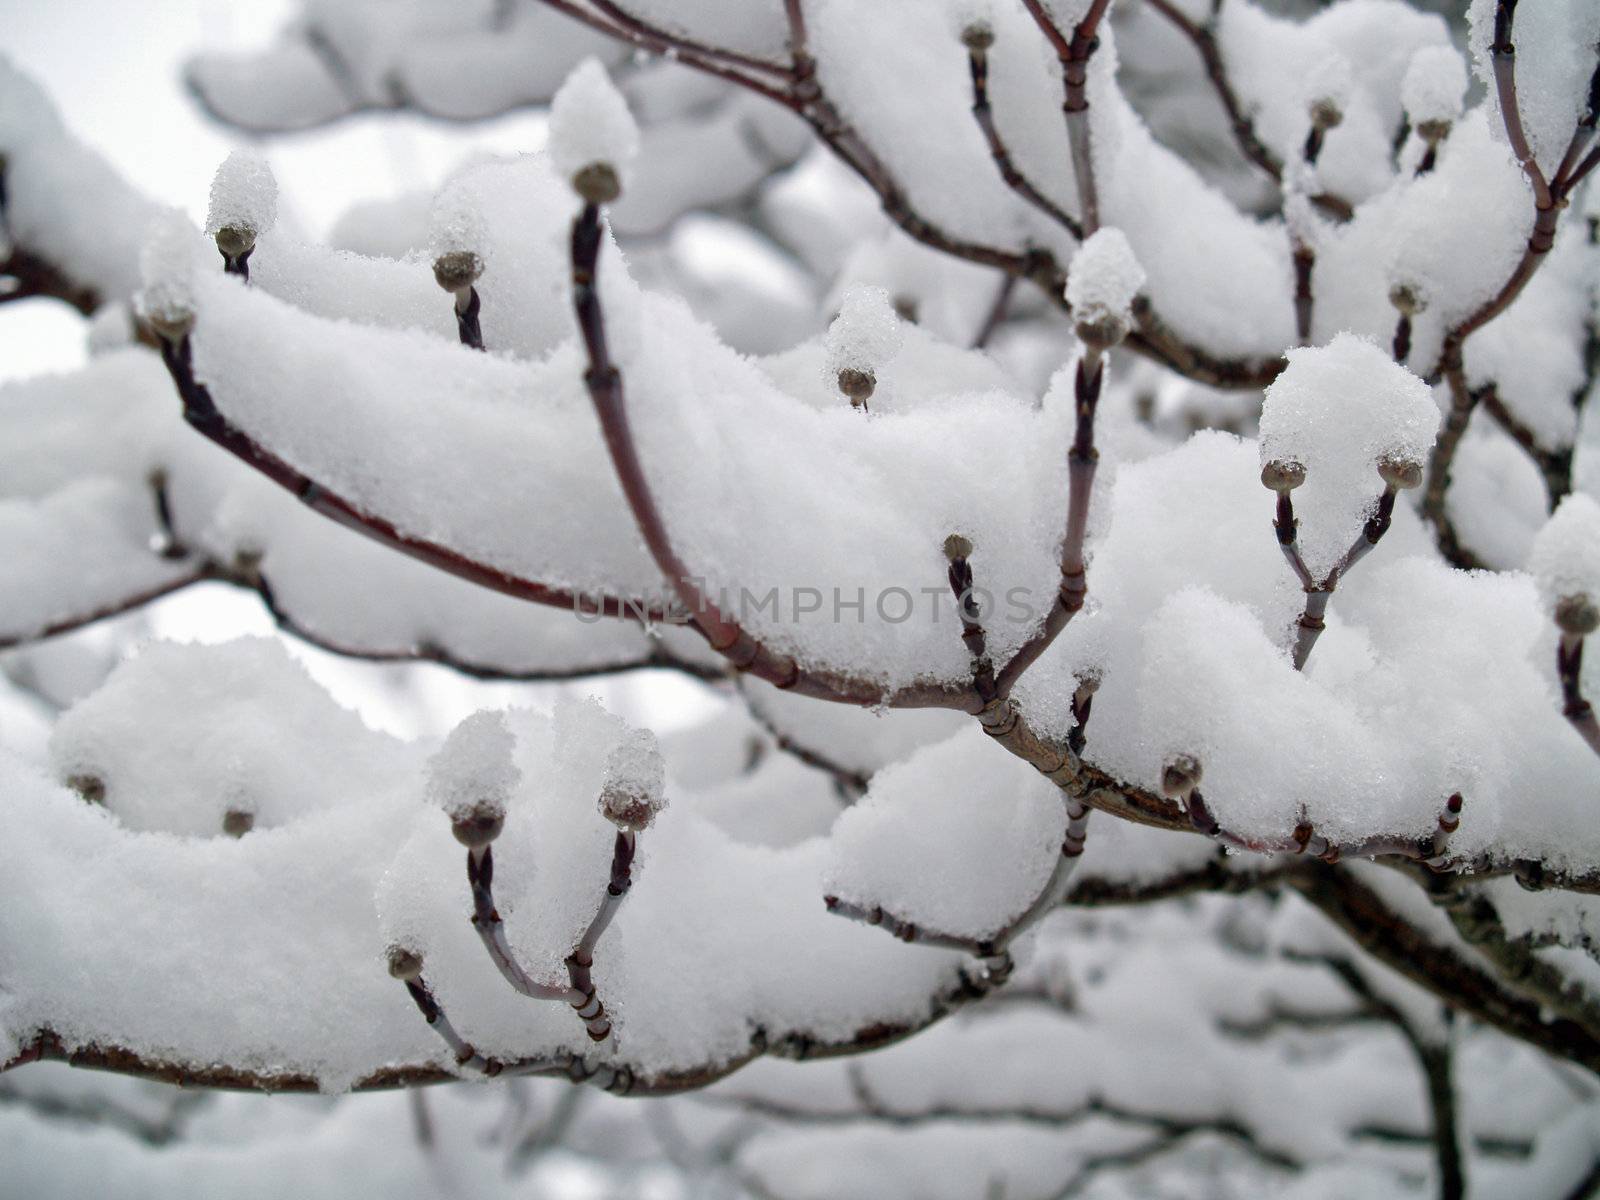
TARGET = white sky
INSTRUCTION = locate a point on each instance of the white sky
(113, 69)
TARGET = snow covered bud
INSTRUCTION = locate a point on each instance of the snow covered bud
(957, 548)
(1431, 92)
(405, 964)
(237, 822)
(472, 777)
(1565, 563)
(1328, 92)
(244, 204)
(1181, 776)
(1577, 615)
(1409, 299)
(593, 138)
(457, 270)
(1102, 283)
(1343, 409)
(635, 787)
(977, 36)
(1282, 475)
(863, 337)
(166, 262)
(1400, 474)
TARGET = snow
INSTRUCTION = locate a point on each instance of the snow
(1565, 560)
(953, 838)
(1339, 410)
(635, 790)
(1433, 87)
(267, 950)
(866, 334)
(244, 195)
(284, 917)
(473, 771)
(64, 202)
(1554, 62)
(590, 123)
(1104, 278)
(167, 263)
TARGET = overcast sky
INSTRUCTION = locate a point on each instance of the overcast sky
(113, 68)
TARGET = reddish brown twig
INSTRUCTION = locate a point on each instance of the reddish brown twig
(201, 412)
(994, 949)
(958, 550)
(1550, 196)
(491, 932)
(1204, 39)
(580, 962)
(724, 634)
(1152, 338)
(711, 60)
(983, 113)
(1082, 460)
(675, 44)
(1578, 711)
(1073, 54)
(1318, 592)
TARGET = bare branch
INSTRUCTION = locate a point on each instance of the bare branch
(983, 113)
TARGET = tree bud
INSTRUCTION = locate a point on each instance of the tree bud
(1402, 474)
(627, 809)
(1433, 132)
(1102, 330)
(858, 385)
(978, 36)
(1326, 114)
(457, 269)
(1282, 475)
(234, 240)
(478, 826)
(597, 183)
(1577, 615)
(237, 822)
(957, 547)
(1181, 776)
(1408, 299)
(404, 964)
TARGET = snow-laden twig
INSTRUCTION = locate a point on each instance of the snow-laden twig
(978, 38)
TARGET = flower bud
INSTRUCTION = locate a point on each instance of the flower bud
(1282, 475)
(858, 385)
(476, 827)
(237, 822)
(978, 36)
(1326, 114)
(1102, 331)
(957, 547)
(91, 787)
(1402, 474)
(1577, 615)
(235, 240)
(597, 183)
(1408, 299)
(457, 269)
(404, 964)
(1433, 132)
(1181, 776)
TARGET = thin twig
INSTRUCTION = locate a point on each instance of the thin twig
(1578, 711)
(1082, 460)
(1073, 54)
(1318, 592)
(983, 113)
(201, 412)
